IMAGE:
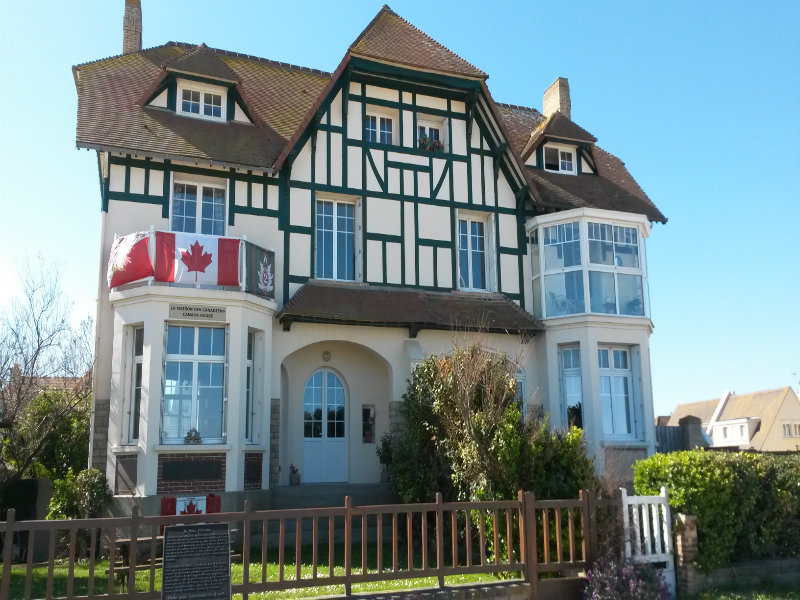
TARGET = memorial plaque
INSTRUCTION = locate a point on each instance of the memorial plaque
(197, 312)
(197, 562)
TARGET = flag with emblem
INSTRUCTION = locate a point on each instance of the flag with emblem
(260, 271)
(195, 258)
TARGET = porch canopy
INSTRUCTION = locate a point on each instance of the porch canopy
(376, 306)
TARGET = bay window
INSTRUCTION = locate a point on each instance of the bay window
(618, 399)
(587, 266)
(136, 383)
(194, 384)
(571, 385)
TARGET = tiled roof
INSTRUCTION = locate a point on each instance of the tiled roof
(391, 38)
(575, 191)
(202, 61)
(359, 304)
(520, 121)
(110, 115)
(557, 125)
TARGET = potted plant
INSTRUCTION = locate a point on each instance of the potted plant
(193, 437)
(427, 143)
(294, 475)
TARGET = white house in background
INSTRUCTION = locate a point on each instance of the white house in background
(280, 246)
(767, 421)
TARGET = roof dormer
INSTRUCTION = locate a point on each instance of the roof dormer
(199, 84)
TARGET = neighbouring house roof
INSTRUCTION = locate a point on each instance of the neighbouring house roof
(763, 405)
(703, 410)
(391, 38)
(282, 99)
(361, 304)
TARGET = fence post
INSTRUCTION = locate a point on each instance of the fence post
(439, 539)
(626, 524)
(132, 551)
(348, 546)
(528, 526)
(8, 542)
(589, 523)
(246, 551)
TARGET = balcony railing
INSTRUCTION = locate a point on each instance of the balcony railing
(190, 259)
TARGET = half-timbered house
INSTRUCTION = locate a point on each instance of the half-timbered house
(281, 246)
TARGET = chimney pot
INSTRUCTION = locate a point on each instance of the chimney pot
(556, 97)
(132, 27)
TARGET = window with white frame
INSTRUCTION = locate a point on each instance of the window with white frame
(787, 430)
(563, 275)
(378, 128)
(571, 385)
(615, 280)
(250, 407)
(617, 396)
(194, 384)
(198, 208)
(201, 100)
(335, 240)
(136, 382)
(472, 254)
(559, 159)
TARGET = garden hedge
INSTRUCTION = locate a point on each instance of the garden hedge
(747, 504)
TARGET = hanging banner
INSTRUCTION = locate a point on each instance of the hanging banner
(195, 258)
(260, 271)
(129, 260)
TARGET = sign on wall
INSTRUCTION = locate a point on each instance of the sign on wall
(196, 312)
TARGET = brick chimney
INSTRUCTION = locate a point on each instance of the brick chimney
(132, 27)
(556, 97)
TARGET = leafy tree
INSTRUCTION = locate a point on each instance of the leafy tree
(42, 355)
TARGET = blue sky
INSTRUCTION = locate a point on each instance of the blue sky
(700, 99)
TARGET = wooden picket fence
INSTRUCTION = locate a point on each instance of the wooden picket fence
(522, 538)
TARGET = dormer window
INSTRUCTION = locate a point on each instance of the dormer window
(201, 100)
(559, 159)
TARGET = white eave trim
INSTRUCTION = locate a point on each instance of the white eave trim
(592, 213)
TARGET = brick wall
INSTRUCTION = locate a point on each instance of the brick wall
(252, 470)
(192, 485)
(274, 441)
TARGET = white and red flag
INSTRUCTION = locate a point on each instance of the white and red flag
(129, 260)
(195, 258)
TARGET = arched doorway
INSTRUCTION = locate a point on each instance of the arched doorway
(324, 428)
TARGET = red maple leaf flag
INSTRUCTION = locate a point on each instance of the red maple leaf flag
(194, 258)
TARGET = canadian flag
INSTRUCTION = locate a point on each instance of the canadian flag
(194, 258)
(129, 260)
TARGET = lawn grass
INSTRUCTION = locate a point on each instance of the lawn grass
(81, 576)
(762, 591)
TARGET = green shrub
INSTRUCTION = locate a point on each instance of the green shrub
(464, 436)
(747, 505)
(79, 496)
